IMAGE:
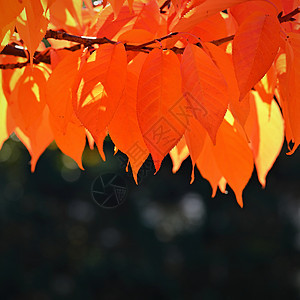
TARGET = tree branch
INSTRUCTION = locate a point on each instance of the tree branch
(15, 50)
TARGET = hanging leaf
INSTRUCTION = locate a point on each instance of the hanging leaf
(32, 25)
(202, 11)
(205, 89)
(59, 89)
(241, 11)
(207, 165)
(96, 92)
(178, 154)
(71, 141)
(6, 121)
(159, 99)
(125, 121)
(194, 135)
(233, 156)
(265, 129)
(254, 48)
(28, 99)
(38, 139)
(116, 6)
(292, 87)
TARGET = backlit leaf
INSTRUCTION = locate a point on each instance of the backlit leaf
(159, 98)
(32, 25)
(178, 154)
(205, 89)
(233, 156)
(265, 129)
(125, 121)
(96, 92)
(254, 48)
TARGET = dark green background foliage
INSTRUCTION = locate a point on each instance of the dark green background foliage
(169, 240)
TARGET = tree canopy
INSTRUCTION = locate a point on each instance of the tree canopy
(210, 79)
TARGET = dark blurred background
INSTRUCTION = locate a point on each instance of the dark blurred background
(168, 240)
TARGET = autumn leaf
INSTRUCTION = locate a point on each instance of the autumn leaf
(158, 98)
(38, 139)
(96, 93)
(28, 99)
(178, 154)
(241, 11)
(233, 156)
(125, 120)
(254, 48)
(68, 132)
(6, 121)
(32, 25)
(265, 129)
(293, 90)
(205, 89)
(195, 136)
(200, 12)
(71, 141)
(207, 165)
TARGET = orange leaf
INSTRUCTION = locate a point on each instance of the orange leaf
(38, 139)
(6, 121)
(136, 36)
(124, 128)
(9, 10)
(243, 10)
(96, 92)
(116, 6)
(265, 129)
(223, 61)
(194, 135)
(178, 154)
(130, 4)
(292, 88)
(233, 156)
(148, 17)
(211, 28)
(28, 99)
(59, 89)
(283, 94)
(32, 25)
(207, 165)
(254, 48)
(112, 28)
(205, 89)
(200, 12)
(159, 99)
(67, 14)
(266, 86)
(71, 141)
